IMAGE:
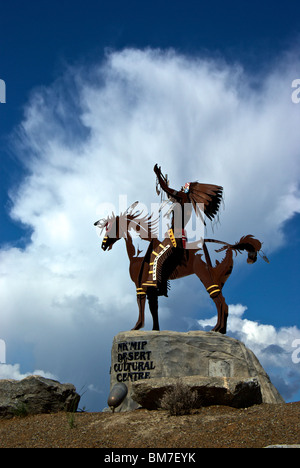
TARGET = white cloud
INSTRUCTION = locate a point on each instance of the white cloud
(255, 335)
(273, 347)
(95, 134)
(12, 371)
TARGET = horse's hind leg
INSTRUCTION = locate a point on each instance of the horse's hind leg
(214, 278)
(222, 309)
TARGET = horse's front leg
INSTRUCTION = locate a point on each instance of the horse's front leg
(153, 306)
(141, 300)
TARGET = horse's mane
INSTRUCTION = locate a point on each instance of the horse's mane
(146, 226)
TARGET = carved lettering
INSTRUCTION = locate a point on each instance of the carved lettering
(133, 361)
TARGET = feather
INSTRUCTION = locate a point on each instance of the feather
(207, 195)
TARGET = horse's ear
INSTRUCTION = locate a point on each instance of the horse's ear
(101, 223)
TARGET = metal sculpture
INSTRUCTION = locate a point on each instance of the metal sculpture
(169, 259)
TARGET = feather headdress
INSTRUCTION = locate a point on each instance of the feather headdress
(206, 198)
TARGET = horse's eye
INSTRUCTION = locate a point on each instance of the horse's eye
(108, 227)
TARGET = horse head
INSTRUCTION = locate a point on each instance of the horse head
(118, 227)
(111, 224)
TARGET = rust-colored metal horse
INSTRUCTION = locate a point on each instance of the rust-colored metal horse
(213, 277)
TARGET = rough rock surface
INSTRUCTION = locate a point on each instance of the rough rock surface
(140, 358)
(35, 395)
(211, 391)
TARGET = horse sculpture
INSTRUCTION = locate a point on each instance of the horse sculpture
(213, 277)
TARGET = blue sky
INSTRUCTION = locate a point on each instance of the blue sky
(96, 93)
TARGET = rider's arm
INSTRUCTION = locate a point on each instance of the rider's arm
(179, 196)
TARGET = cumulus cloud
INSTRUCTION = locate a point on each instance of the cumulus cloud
(12, 371)
(274, 347)
(94, 135)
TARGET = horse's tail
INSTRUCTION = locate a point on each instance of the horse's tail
(248, 243)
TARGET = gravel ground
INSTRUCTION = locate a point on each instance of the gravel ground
(211, 427)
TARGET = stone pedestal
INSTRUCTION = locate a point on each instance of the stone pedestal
(151, 361)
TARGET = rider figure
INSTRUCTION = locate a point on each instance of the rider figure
(163, 258)
(181, 209)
